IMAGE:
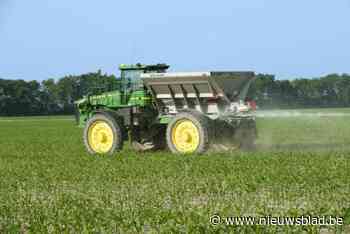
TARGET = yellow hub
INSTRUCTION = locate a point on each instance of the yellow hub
(100, 137)
(185, 136)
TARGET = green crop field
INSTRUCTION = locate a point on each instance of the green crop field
(50, 185)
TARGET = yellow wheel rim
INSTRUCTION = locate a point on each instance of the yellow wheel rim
(100, 137)
(185, 136)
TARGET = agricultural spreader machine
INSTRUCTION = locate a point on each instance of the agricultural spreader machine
(187, 112)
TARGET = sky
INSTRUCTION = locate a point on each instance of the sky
(49, 39)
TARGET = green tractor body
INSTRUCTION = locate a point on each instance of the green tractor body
(187, 112)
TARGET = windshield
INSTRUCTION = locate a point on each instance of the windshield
(132, 79)
(132, 75)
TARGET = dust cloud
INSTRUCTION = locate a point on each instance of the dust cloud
(292, 114)
(303, 130)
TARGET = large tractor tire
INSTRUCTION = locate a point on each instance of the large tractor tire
(188, 132)
(103, 135)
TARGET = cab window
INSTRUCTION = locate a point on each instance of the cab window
(132, 75)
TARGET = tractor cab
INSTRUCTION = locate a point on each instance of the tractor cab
(132, 73)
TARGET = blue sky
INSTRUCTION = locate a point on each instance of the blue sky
(49, 38)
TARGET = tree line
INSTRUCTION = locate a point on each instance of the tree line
(332, 90)
(49, 97)
(53, 97)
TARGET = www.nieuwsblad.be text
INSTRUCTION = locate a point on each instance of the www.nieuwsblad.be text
(270, 220)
